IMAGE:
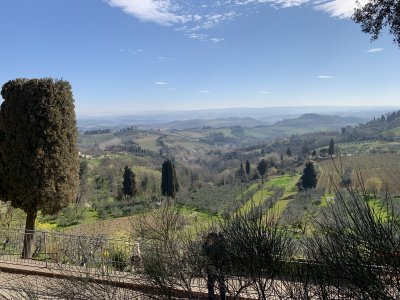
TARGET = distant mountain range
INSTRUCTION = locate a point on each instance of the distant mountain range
(245, 117)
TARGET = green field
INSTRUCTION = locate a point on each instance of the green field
(385, 166)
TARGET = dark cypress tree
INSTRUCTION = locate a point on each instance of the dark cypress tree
(331, 150)
(248, 168)
(309, 178)
(288, 152)
(262, 169)
(242, 173)
(169, 183)
(129, 184)
(38, 148)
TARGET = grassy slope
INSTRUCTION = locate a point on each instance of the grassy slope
(287, 182)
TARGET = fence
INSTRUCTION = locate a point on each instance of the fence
(97, 255)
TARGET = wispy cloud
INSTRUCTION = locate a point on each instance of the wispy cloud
(339, 8)
(162, 12)
(198, 36)
(130, 51)
(216, 40)
(325, 77)
(205, 92)
(161, 83)
(375, 50)
(265, 92)
(197, 17)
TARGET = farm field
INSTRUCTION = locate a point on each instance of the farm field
(384, 166)
(103, 140)
(369, 147)
(286, 182)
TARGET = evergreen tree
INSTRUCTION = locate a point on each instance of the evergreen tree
(331, 150)
(262, 169)
(169, 183)
(242, 173)
(288, 152)
(129, 184)
(248, 168)
(38, 148)
(309, 178)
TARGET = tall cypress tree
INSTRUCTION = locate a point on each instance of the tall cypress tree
(129, 184)
(309, 178)
(248, 168)
(331, 150)
(262, 169)
(38, 148)
(169, 182)
(242, 173)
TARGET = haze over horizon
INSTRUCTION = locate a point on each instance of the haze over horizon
(135, 56)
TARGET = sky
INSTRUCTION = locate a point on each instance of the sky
(130, 56)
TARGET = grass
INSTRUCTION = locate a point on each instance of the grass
(195, 215)
(281, 205)
(287, 182)
(90, 216)
(258, 198)
(379, 209)
(86, 141)
(148, 142)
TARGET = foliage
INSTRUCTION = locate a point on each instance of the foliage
(248, 167)
(347, 177)
(242, 173)
(373, 185)
(376, 14)
(212, 199)
(331, 149)
(83, 194)
(38, 151)
(262, 168)
(309, 178)
(129, 183)
(255, 248)
(356, 248)
(169, 182)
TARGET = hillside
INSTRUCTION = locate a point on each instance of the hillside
(317, 122)
(267, 115)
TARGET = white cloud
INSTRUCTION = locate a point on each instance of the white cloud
(216, 40)
(196, 17)
(375, 50)
(158, 11)
(213, 20)
(198, 36)
(205, 92)
(134, 52)
(265, 92)
(160, 83)
(339, 8)
(325, 77)
(275, 3)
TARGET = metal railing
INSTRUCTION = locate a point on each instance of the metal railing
(53, 250)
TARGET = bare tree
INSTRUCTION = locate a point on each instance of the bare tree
(356, 248)
(256, 249)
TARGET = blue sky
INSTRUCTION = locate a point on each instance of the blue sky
(128, 56)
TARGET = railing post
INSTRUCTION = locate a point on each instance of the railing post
(102, 257)
(45, 247)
